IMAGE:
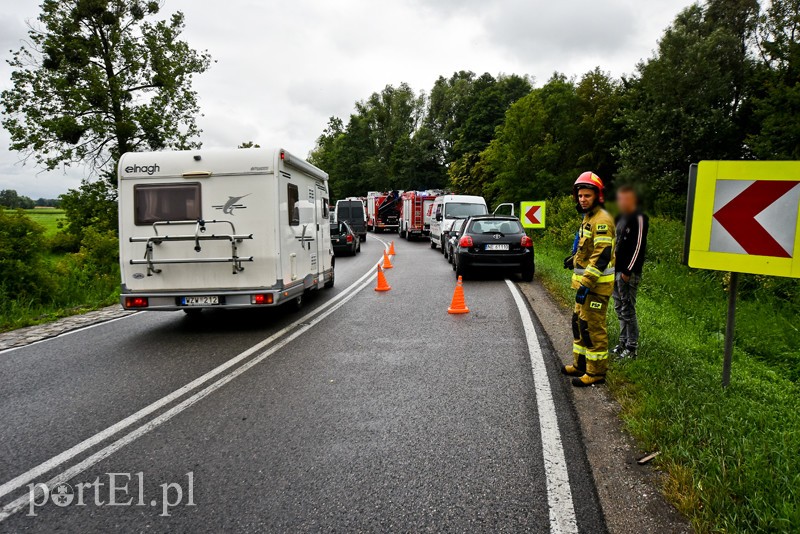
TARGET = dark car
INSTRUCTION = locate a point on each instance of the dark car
(493, 242)
(352, 212)
(450, 239)
(344, 240)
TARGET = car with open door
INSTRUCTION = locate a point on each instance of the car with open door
(494, 243)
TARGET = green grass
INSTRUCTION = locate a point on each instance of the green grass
(48, 218)
(732, 457)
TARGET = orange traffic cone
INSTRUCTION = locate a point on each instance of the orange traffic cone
(459, 304)
(383, 285)
(387, 264)
(391, 249)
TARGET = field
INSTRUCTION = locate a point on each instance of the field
(48, 218)
(731, 456)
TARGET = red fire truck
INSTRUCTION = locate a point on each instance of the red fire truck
(384, 211)
(417, 212)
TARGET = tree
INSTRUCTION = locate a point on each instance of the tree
(249, 144)
(12, 200)
(776, 99)
(688, 102)
(536, 150)
(100, 78)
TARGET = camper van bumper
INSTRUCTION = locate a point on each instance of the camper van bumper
(247, 298)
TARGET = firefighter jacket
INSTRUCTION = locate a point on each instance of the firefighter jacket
(594, 259)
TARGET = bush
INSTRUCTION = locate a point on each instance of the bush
(23, 270)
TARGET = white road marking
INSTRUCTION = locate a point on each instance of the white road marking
(29, 476)
(559, 492)
(68, 332)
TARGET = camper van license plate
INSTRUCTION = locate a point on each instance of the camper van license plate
(200, 301)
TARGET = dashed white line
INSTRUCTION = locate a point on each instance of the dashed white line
(559, 492)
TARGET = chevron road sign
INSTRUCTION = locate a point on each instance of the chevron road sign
(744, 217)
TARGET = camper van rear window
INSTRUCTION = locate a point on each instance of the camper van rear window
(294, 197)
(166, 202)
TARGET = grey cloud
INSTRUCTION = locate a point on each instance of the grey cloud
(285, 67)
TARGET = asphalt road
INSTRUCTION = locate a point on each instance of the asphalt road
(363, 411)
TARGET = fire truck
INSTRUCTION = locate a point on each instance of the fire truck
(417, 212)
(384, 211)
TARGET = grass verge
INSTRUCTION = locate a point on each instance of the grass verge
(732, 457)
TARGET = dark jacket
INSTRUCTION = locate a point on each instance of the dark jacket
(631, 242)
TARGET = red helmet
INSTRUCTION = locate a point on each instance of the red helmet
(589, 180)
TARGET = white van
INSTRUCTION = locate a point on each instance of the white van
(448, 208)
(221, 229)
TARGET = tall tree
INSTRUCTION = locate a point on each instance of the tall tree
(687, 102)
(100, 78)
(777, 94)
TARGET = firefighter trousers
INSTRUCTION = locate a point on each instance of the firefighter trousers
(590, 335)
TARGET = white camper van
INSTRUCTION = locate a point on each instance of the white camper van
(222, 229)
(448, 208)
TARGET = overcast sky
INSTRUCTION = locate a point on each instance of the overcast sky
(283, 68)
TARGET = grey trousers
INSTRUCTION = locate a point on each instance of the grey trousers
(625, 305)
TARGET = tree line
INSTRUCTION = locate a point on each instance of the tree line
(723, 83)
(10, 199)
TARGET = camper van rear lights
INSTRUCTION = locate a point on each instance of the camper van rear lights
(283, 154)
(197, 174)
(261, 298)
(136, 302)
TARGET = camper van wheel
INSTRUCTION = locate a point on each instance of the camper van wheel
(297, 303)
(433, 244)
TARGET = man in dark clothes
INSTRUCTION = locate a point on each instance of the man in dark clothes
(632, 227)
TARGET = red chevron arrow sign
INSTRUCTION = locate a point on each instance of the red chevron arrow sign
(740, 219)
(744, 217)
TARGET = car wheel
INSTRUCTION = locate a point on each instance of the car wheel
(461, 271)
(363, 238)
(527, 274)
(433, 244)
(358, 248)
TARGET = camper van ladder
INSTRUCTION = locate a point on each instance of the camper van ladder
(198, 237)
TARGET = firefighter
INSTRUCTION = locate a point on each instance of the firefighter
(593, 278)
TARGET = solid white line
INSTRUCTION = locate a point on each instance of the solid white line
(68, 332)
(101, 436)
(23, 501)
(559, 493)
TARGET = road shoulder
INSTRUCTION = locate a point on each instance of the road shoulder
(31, 334)
(629, 494)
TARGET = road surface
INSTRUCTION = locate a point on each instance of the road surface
(363, 411)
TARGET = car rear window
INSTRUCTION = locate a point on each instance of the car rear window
(495, 226)
(453, 210)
